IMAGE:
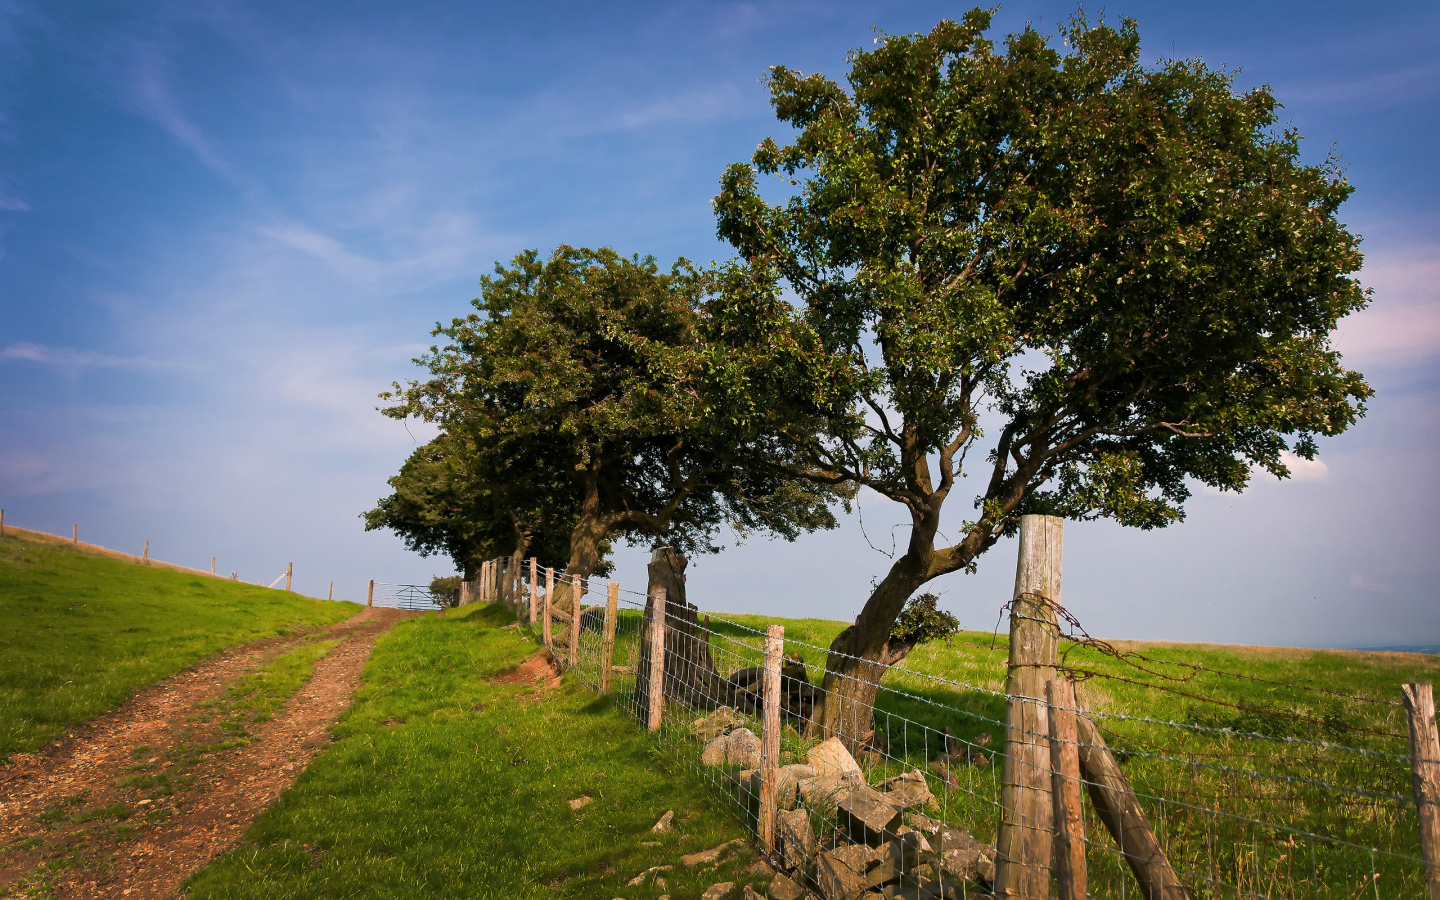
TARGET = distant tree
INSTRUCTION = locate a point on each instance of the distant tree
(567, 368)
(1126, 273)
(452, 499)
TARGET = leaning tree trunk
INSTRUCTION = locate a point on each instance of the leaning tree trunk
(859, 657)
(689, 673)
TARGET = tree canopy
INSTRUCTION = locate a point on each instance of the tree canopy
(568, 366)
(1126, 273)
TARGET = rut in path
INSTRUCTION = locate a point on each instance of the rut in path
(139, 849)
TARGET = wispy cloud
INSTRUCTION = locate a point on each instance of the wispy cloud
(1402, 326)
(67, 357)
(149, 92)
(15, 204)
(1380, 89)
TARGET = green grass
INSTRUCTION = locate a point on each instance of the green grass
(80, 633)
(444, 784)
(1211, 799)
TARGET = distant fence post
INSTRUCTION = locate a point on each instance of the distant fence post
(657, 659)
(770, 734)
(1070, 871)
(212, 566)
(607, 646)
(146, 557)
(549, 592)
(370, 594)
(331, 595)
(1425, 766)
(1024, 843)
(2, 523)
(578, 587)
(289, 573)
(534, 589)
(75, 534)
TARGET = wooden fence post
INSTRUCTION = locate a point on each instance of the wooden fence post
(75, 534)
(1024, 844)
(331, 595)
(607, 645)
(1124, 818)
(578, 587)
(146, 557)
(1065, 789)
(370, 594)
(657, 659)
(545, 624)
(770, 734)
(534, 589)
(212, 566)
(1425, 766)
(2, 523)
(289, 572)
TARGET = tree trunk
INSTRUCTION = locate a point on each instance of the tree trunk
(690, 676)
(859, 657)
(585, 541)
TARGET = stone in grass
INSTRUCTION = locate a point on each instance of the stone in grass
(796, 839)
(909, 790)
(581, 801)
(721, 721)
(831, 758)
(867, 817)
(719, 891)
(714, 854)
(653, 870)
(751, 894)
(738, 748)
(666, 823)
(785, 888)
(840, 873)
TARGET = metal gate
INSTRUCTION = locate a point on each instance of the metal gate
(406, 596)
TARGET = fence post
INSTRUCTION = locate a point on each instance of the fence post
(370, 594)
(534, 588)
(289, 572)
(607, 646)
(549, 592)
(577, 593)
(146, 557)
(75, 534)
(212, 566)
(331, 595)
(770, 734)
(1065, 789)
(1024, 843)
(1425, 764)
(2, 523)
(657, 659)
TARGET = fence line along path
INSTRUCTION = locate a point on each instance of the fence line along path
(956, 788)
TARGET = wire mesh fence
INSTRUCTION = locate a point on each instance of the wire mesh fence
(906, 784)
(406, 596)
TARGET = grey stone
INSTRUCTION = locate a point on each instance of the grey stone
(784, 888)
(822, 792)
(897, 860)
(714, 854)
(909, 790)
(831, 758)
(787, 784)
(926, 824)
(738, 748)
(653, 870)
(665, 824)
(866, 816)
(719, 891)
(721, 721)
(840, 873)
(796, 838)
(966, 858)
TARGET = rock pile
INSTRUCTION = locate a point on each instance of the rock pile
(869, 849)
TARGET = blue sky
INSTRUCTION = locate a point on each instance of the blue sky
(225, 226)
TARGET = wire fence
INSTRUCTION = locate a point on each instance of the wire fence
(406, 596)
(911, 794)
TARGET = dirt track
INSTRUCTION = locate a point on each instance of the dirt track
(137, 848)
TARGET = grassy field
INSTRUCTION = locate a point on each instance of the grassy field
(442, 783)
(80, 633)
(1230, 768)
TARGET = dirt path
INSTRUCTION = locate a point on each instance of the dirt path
(75, 821)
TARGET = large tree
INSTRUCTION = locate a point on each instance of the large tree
(568, 366)
(1126, 272)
